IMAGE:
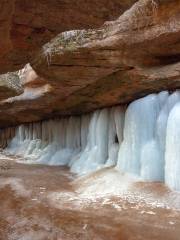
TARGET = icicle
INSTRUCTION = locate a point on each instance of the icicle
(115, 134)
(96, 152)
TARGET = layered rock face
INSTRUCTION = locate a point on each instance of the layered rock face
(27, 25)
(82, 70)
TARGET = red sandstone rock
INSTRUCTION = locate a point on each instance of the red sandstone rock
(26, 25)
(79, 71)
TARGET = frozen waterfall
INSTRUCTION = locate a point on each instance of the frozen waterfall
(142, 139)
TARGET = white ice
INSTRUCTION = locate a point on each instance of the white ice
(142, 139)
(172, 155)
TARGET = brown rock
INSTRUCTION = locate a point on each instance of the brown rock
(82, 70)
(27, 25)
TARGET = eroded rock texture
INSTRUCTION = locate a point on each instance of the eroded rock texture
(27, 25)
(82, 70)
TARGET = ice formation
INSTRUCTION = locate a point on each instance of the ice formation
(143, 140)
(85, 143)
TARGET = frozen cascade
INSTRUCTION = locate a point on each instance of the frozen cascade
(84, 143)
(105, 135)
(139, 129)
(142, 139)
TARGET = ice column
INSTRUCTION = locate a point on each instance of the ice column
(103, 140)
(172, 155)
(96, 151)
(115, 135)
(139, 130)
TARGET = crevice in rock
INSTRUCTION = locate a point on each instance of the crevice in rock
(168, 59)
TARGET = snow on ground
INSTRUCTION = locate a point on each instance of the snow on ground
(16, 185)
(106, 184)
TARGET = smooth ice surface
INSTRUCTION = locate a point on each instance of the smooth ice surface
(140, 122)
(148, 142)
(152, 165)
(172, 156)
(142, 139)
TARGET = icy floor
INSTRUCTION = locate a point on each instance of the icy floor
(43, 202)
(103, 185)
(107, 184)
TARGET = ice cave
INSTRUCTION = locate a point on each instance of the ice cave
(141, 139)
(90, 120)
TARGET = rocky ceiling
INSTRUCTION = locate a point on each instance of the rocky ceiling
(134, 53)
